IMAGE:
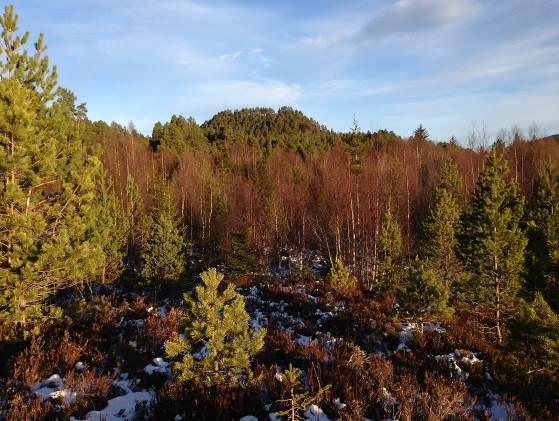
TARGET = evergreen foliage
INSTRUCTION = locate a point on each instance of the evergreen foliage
(163, 250)
(543, 235)
(178, 135)
(112, 230)
(420, 134)
(441, 225)
(50, 210)
(426, 295)
(218, 342)
(241, 259)
(33, 71)
(537, 329)
(492, 243)
(341, 278)
(299, 399)
(263, 127)
(389, 260)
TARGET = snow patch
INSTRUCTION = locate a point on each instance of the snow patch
(159, 366)
(121, 407)
(314, 413)
(339, 404)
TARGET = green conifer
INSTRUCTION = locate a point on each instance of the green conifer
(543, 236)
(536, 329)
(50, 209)
(492, 243)
(218, 343)
(241, 259)
(426, 295)
(389, 260)
(441, 225)
(163, 250)
(298, 398)
(341, 278)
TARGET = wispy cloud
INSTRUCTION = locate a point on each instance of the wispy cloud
(413, 17)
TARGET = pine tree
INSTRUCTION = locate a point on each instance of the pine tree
(112, 230)
(298, 399)
(492, 243)
(389, 259)
(218, 343)
(426, 296)
(32, 71)
(341, 278)
(441, 225)
(543, 236)
(49, 207)
(536, 329)
(163, 252)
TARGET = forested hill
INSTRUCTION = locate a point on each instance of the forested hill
(264, 128)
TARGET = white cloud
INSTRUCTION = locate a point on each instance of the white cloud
(244, 93)
(230, 56)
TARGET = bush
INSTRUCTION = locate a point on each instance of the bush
(341, 278)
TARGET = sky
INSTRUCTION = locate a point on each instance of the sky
(455, 66)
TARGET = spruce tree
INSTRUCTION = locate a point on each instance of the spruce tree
(163, 250)
(543, 235)
(420, 134)
(389, 260)
(218, 343)
(441, 225)
(241, 259)
(492, 243)
(49, 206)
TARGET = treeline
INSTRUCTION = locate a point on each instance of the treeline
(329, 191)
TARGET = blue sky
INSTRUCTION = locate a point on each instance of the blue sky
(448, 64)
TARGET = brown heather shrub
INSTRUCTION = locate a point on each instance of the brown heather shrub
(92, 390)
(41, 358)
(279, 341)
(158, 329)
(311, 352)
(27, 366)
(444, 399)
(139, 306)
(25, 406)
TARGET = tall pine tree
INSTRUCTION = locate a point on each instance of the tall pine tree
(49, 206)
(492, 243)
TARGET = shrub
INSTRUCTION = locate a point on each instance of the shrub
(341, 278)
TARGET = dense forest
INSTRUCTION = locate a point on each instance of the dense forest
(262, 266)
